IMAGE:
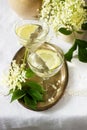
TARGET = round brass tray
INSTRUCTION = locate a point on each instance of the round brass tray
(56, 84)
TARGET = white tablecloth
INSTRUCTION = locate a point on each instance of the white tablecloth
(70, 113)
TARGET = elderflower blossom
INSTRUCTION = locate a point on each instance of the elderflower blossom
(64, 13)
(16, 76)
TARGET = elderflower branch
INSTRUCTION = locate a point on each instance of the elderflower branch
(20, 87)
(64, 13)
(16, 76)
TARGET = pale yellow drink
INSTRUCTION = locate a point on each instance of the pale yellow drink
(45, 61)
(26, 30)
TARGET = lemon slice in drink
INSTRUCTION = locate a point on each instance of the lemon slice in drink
(51, 58)
(25, 31)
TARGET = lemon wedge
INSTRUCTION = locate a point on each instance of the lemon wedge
(51, 58)
(25, 31)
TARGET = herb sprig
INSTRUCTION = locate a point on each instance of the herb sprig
(30, 94)
(22, 87)
(80, 45)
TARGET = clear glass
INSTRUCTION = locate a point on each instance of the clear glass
(35, 39)
(46, 60)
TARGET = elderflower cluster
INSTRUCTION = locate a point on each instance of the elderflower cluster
(16, 76)
(69, 14)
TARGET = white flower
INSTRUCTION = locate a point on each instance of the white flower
(64, 13)
(16, 76)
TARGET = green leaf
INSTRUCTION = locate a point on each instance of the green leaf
(65, 31)
(34, 90)
(85, 7)
(35, 94)
(36, 86)
(69, 54)
(30, 103)
(17, 94)
(82, 54)
(84, 26)
(82, 50)
(80, 32)
(81, 43)
(10, 92)
(29, 73)
(63, 0)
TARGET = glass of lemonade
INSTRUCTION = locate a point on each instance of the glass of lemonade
(31, 33)
(46, 60)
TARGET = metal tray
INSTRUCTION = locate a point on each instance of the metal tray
(56, 84)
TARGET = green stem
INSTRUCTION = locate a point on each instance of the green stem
(25, 55)
(73, 31)
(74, 35)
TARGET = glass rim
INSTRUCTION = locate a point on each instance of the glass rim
(43, 24)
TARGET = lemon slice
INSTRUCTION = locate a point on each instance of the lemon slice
(51, 58)
(26, 30)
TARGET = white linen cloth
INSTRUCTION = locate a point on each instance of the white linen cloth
(70, 113)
